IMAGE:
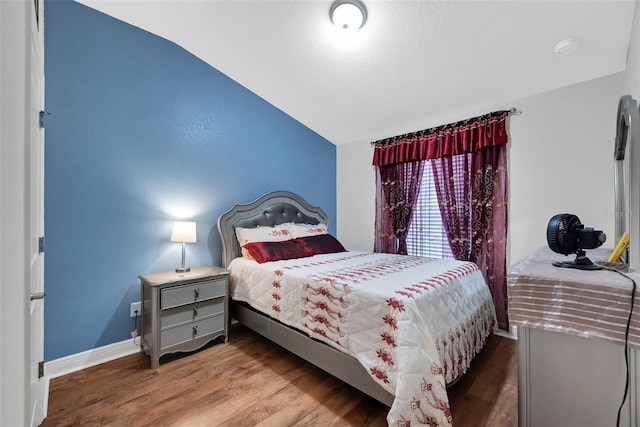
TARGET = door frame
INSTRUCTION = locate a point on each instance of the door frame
(38, 387)
(15, 74)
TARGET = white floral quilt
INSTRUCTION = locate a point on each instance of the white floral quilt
(414, 323)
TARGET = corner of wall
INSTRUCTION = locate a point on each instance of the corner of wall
(632, 72)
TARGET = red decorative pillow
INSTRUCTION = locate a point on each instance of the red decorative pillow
(276, 251)
(320, 244)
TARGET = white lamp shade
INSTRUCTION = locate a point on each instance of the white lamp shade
(348, 15)
(184, 232)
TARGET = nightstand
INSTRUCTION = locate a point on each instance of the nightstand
(182, 312)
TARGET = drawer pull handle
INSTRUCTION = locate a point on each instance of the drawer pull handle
(195, 312)
(196, 293)
(195, 330)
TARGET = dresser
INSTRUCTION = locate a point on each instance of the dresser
(182, 312)
(571, 354)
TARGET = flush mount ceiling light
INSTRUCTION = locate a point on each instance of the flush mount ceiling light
(349, 15)
(566, 47)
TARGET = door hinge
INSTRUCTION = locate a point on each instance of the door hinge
(41, 244)
(40, 369)
(43, 115)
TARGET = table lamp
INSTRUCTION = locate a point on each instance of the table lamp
(184, 232)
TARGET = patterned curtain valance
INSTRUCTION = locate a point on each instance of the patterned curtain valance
(466, 136)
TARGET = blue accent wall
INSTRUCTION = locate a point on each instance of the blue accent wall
(142, 133)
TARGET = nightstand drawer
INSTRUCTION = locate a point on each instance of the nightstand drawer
(192, 331)
(190, 313)
(180, 295)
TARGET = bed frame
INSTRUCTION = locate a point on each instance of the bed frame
(268, 210)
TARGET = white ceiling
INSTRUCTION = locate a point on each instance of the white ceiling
(413, 64)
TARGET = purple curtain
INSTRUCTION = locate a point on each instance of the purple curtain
(452, 183)
(470, 172)
(397, 187)
(474, 215)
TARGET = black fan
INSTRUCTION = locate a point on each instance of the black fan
(566, 235)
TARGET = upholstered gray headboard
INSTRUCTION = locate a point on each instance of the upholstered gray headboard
(269, 209)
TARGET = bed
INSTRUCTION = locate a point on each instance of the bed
(398, 328)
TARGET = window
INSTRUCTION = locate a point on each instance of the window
(426, 235)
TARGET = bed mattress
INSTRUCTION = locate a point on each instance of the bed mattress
(414, 323)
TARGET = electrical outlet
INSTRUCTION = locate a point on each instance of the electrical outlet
(135, 306)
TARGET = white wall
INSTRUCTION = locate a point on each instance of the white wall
(560, 160)
(355, 194)
(632, 73)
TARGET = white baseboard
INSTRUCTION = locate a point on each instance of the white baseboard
(513, 333)
(95, 356)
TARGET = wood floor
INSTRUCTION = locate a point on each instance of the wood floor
(250, 381)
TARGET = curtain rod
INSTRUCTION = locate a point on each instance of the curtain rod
(511, 112)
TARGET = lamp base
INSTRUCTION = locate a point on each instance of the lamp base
(183, 269)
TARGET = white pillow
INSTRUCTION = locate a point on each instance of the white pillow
(305, 230)
(278, 233)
